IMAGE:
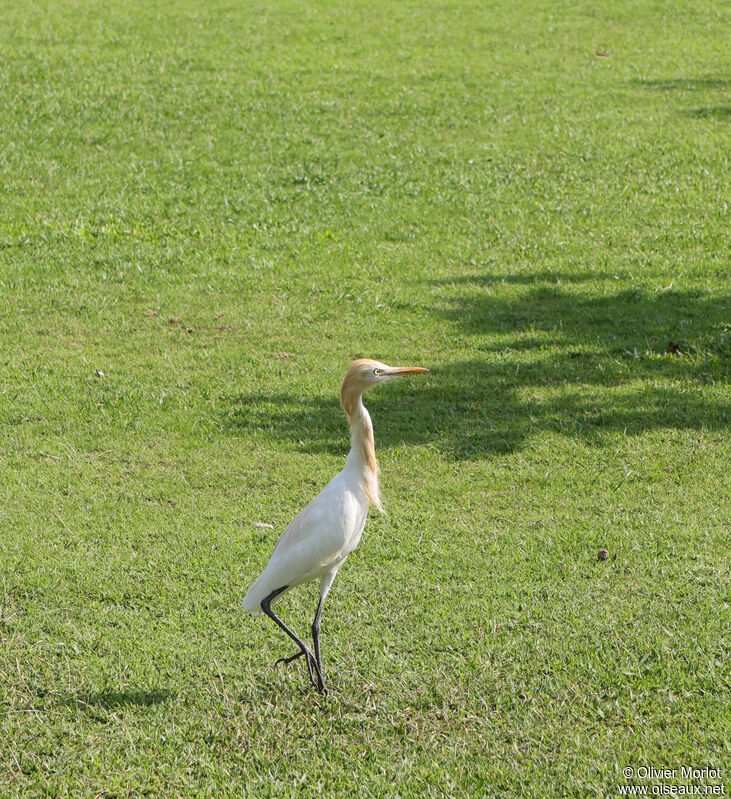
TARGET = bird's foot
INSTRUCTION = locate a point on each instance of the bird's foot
(312, 668)
(291, 658)
(320, 684)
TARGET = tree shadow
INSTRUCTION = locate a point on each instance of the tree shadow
(684, 84)
(687, 85)
(548, 357)
(581, 366)
(711, 112)
(619, 322)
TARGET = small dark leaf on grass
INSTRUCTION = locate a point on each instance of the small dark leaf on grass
(672, 348)
(602, 554)
(602, 54)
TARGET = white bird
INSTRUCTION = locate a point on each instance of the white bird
(317, 541)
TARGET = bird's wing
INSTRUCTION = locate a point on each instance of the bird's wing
(308, 528)
(313, 541)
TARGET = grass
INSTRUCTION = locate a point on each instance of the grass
(216, 207)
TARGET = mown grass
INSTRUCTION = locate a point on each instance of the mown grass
(217, 207)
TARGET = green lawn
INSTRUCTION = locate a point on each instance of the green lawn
(218, 206)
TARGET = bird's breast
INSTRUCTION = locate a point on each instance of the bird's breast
(352, 507)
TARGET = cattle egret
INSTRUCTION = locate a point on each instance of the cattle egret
(317, 541)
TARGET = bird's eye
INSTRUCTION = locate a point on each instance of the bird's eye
(378, 372)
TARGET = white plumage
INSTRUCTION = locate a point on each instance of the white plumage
(317, 541)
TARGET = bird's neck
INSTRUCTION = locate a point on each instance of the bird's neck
(362, 456)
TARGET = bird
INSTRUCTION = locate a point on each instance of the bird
(317, 541)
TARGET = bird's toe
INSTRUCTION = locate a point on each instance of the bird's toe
(290, 658)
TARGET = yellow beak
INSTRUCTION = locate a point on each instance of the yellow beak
(400, 371)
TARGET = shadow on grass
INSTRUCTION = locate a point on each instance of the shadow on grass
(109, 700)
(712, 112)
(545, 357)
(684, 84)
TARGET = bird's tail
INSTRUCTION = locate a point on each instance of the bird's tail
(265, 584)
(253, 598)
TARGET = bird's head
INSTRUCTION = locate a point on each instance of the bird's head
(365, 373)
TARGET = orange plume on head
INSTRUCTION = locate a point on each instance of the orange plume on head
(362, 374)
(361, 429)
(354, 385)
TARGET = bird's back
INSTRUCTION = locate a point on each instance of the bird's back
(315, 541)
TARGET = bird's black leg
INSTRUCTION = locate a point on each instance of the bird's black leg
(325, 585)
(316, 640)
(266, 607)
